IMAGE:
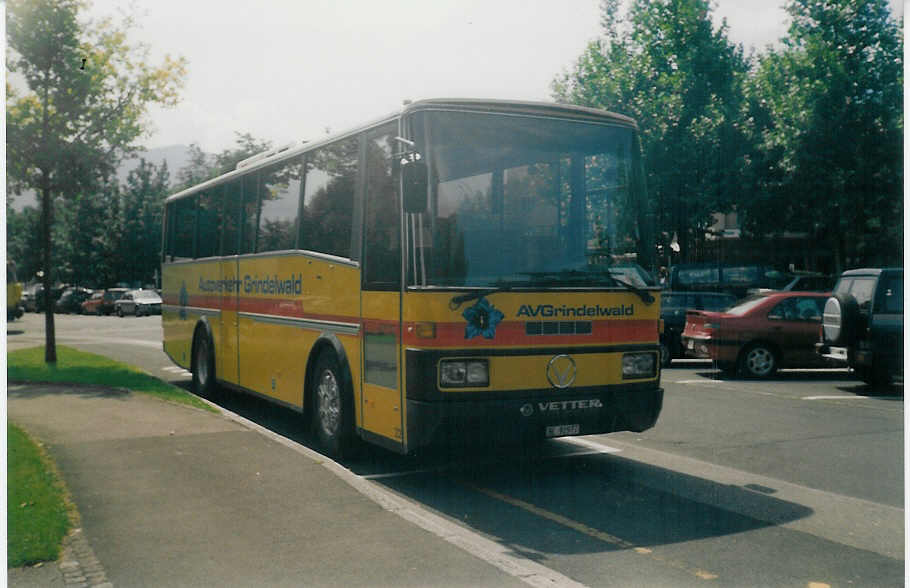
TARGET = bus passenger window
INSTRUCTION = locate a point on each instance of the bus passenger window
(207, 240)
(249, 213)
(328, 201)
(230, 218)
(183, 228)
(279, 191)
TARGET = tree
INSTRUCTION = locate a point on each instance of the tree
(682, 81)
(146, 188)
(70, 127)
(827, 113)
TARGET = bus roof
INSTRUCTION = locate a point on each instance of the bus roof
(527, 108)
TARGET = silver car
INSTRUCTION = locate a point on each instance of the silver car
(139, 303)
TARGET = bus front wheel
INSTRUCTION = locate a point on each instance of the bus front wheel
(333, 412)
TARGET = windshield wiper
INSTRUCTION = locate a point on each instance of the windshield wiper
(643, 294)
(457, 301)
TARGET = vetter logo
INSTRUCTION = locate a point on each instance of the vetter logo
(569, 405)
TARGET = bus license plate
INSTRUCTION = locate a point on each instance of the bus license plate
(561, 430)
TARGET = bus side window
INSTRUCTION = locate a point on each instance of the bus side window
(249, 213)
(328, 201)
(207, 223)
(230, 218)
(169, 231)
(184, 221)
(279, 192)
(381, 246)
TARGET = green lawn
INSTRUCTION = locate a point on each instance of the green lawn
(37, 518)
(79, 367)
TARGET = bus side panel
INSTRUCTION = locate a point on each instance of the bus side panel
(285, 303)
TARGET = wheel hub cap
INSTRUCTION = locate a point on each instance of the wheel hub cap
(329, 402)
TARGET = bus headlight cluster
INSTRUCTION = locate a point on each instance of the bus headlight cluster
(639, 365)
(464, 373)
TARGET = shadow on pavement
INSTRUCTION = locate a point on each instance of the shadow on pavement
(489, 488)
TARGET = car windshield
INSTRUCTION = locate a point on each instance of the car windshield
(745, 305)
(529, 201)
(145, 295)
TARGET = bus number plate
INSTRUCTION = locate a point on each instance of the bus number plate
(560, 430)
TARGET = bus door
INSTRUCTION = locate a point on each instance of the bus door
(381, 402)
(226, 347)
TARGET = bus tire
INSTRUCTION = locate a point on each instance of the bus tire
(203, 364)
(333, 407)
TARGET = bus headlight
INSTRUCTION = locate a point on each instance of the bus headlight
(464, 373)
(639, 365)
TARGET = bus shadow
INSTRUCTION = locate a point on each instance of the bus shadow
(550, 497)
(584, 503)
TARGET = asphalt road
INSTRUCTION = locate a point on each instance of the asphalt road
(795, 481)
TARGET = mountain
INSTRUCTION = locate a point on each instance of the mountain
(177, 156)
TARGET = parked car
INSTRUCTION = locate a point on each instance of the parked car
(673, 307)
(102, 301)
(30, 297)
(139, 303)
(71, 300)
(759, 334)
(864, 323)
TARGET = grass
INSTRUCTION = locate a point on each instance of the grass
(79, 367)
(36, 510)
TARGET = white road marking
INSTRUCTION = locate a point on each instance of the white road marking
(594, 445)
(851, 397)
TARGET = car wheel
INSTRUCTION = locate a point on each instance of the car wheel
(120, 311)
(203, 366)
(665, 356)
(758, 361)
(874, 376)
(332, 407)
(138, 310)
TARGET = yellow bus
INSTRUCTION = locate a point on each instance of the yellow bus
(459, 270)
(14, 308)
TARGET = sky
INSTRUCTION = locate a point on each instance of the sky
(288, 70)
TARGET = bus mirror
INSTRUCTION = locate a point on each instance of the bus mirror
(414, 182)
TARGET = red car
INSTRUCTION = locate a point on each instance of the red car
(760, 334)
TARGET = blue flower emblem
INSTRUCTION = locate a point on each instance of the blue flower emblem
(184, 300)
(482, 320)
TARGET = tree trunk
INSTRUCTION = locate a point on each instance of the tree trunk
(50, 339)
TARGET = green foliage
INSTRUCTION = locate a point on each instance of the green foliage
(37, 518)
(830, 129)
(71, 126)
(804, 138)
(79, 367)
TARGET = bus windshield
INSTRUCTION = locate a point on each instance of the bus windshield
(528, 201)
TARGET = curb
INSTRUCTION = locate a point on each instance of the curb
(78, 564)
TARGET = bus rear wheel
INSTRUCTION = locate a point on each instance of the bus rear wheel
(333, 409)
(203, 366)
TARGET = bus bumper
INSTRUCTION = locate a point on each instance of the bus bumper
(541, 415)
